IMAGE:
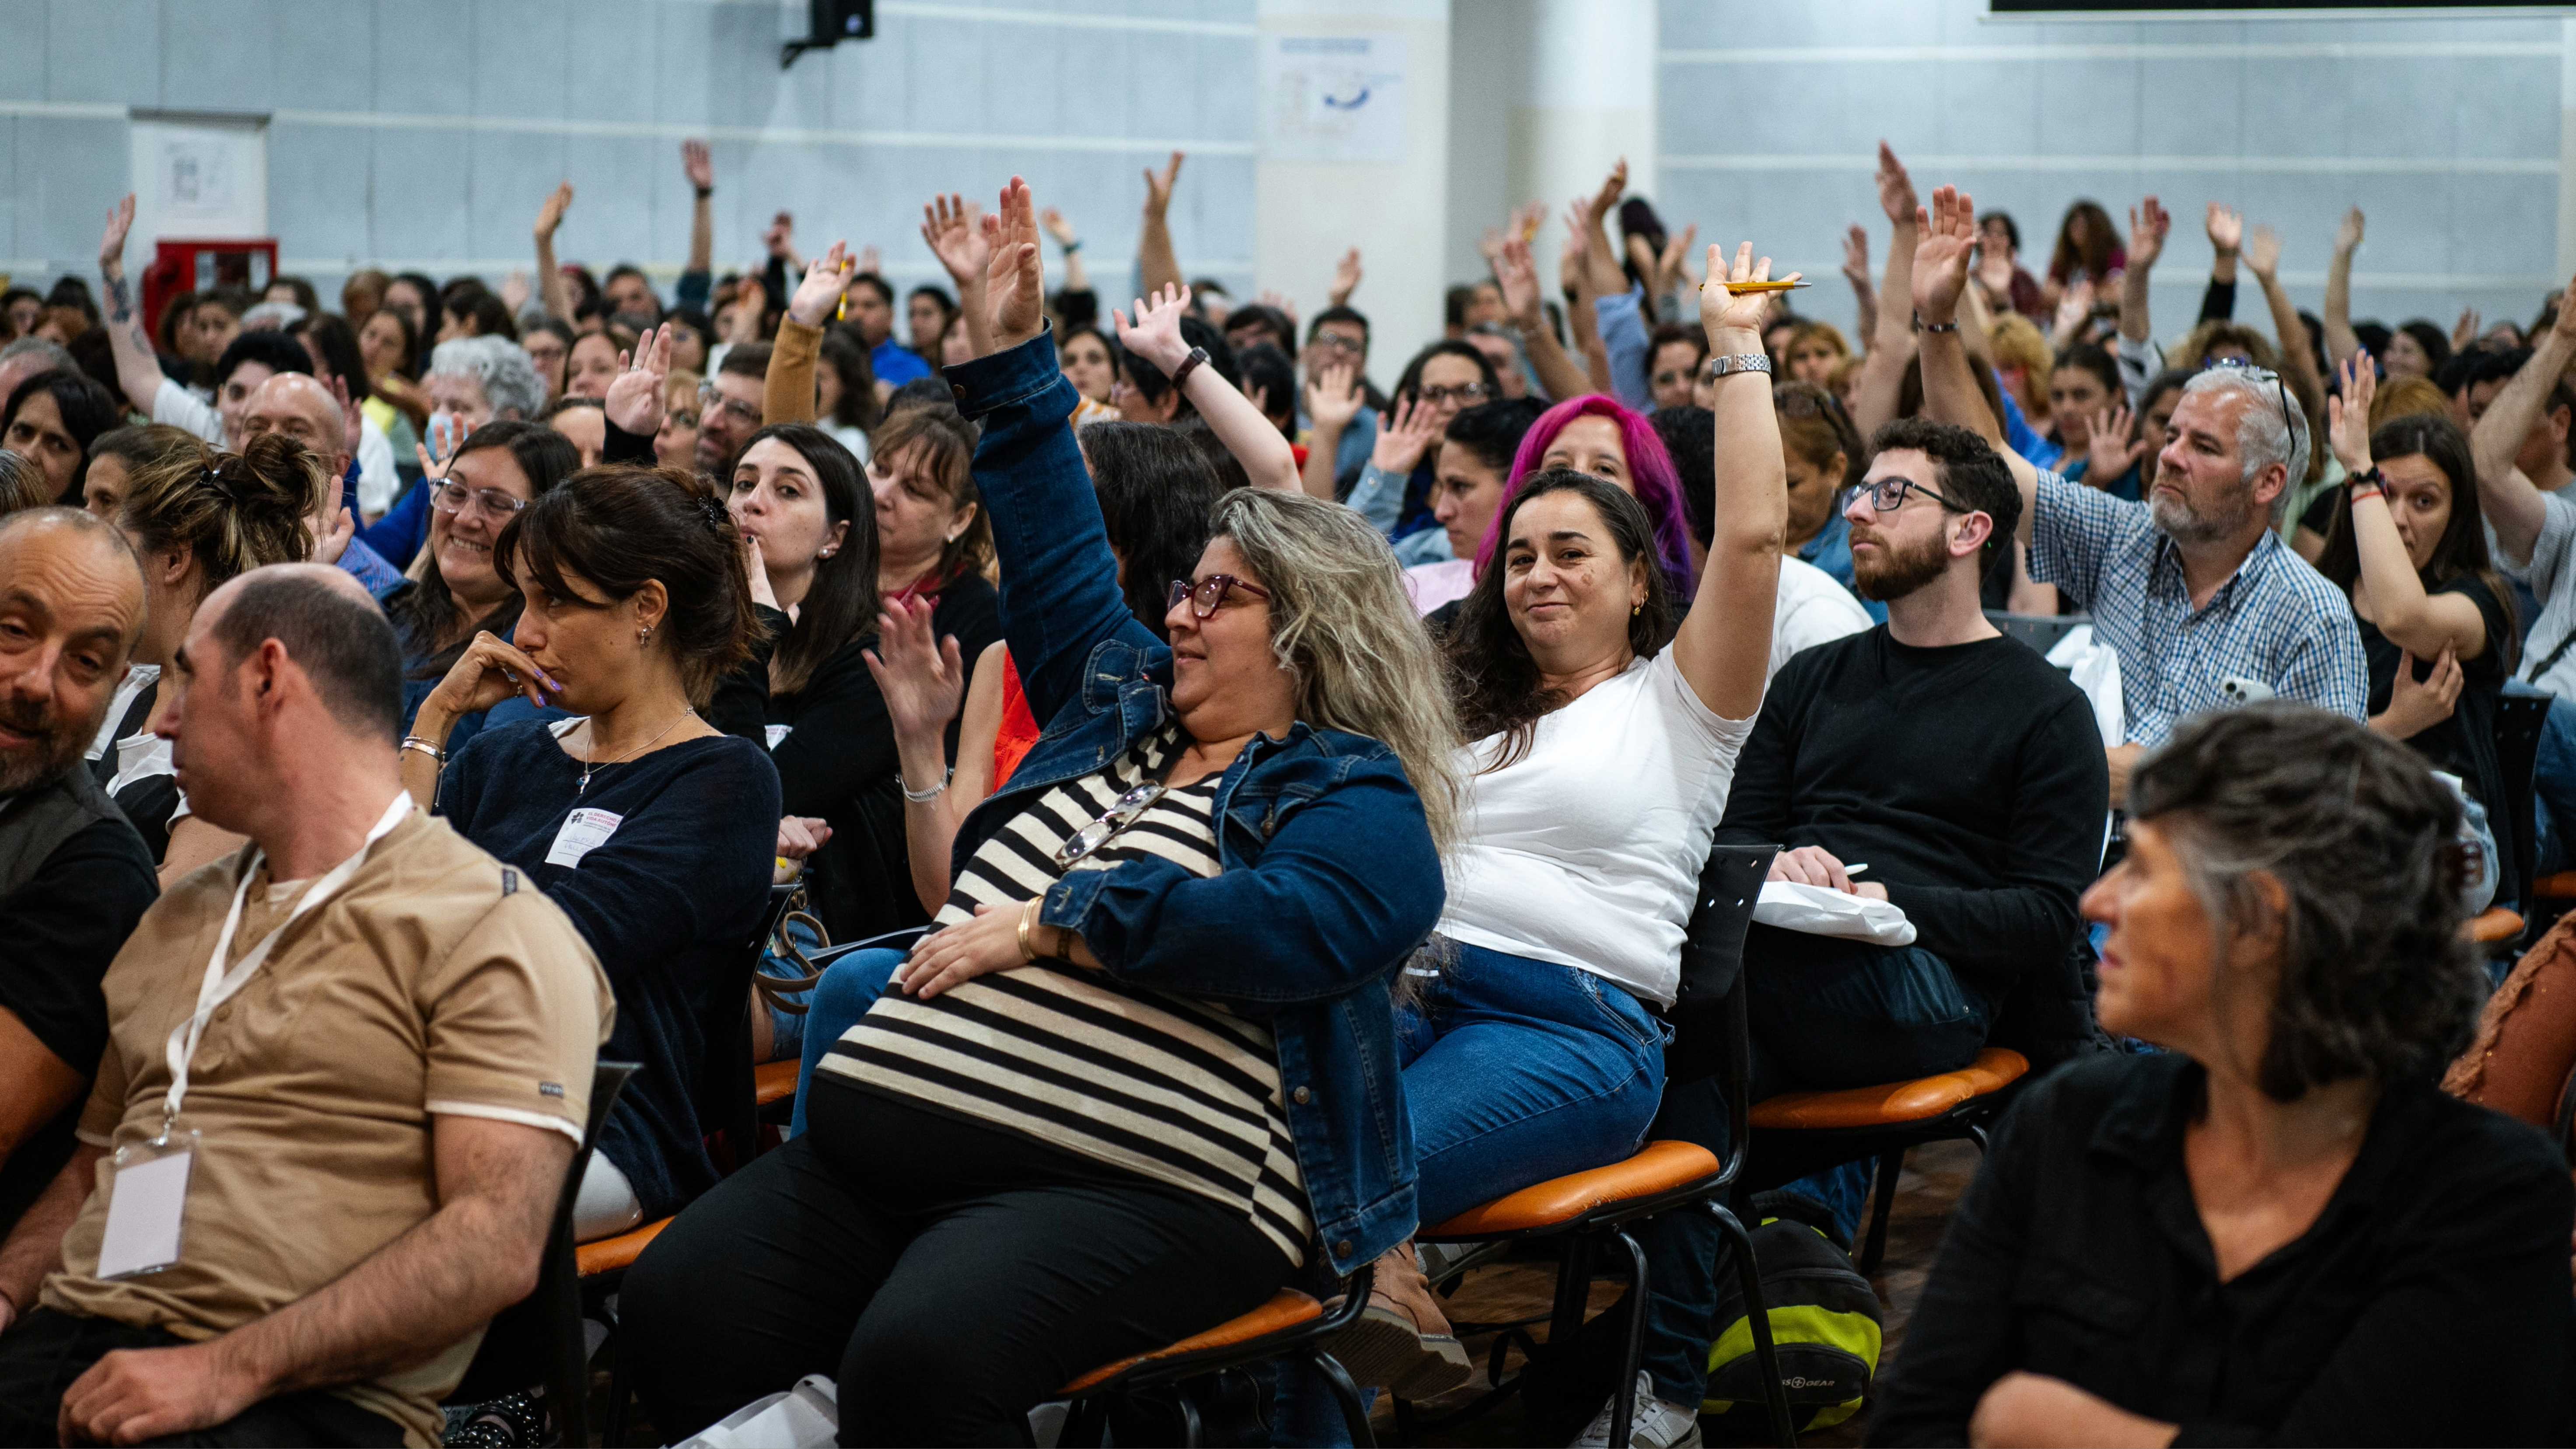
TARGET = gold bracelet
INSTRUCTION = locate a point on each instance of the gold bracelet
(1028, 915)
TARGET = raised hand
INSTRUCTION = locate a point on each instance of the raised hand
(2226, 229)
(2073, 306)
(1158, 186)
(111, 242)
(1346, 277)
(1015, 278)
(1856, 255)
(699, 163)
(551, 214)
(954, 229)
(1722, 310)
(2112, 447)
(1949, 233)
(1057, 227)
(514, 291)
(923, 679)
(819, 295)
(2348, 416)
(1517, 275)
(778, 239)
(2348, 233)
(1490, 245)
(634, 400)
(1404, 435)
(1675, 261)
(353, 423)
(2263, 252)
(333, 542)
(1333, 397)
(1895, 190)
(1598, 208)
(1155, 334)
(2149, 223)
(2465, 331)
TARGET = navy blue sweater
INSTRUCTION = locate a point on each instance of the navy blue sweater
(668, 902)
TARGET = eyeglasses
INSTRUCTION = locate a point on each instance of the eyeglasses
(449, 496)
(708, 398)
(1209, 593)
(1888, 495)
(1462, 394)
(2279, 388)
(1121, 814)
(1338, 341)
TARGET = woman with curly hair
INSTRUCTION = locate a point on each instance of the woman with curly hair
(2278, 1229)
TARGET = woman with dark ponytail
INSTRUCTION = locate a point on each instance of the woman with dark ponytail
(652, 829)
(197, 517)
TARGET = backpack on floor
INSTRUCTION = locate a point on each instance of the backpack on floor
(1824, 1325)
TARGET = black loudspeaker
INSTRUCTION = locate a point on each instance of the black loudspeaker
(829, 23)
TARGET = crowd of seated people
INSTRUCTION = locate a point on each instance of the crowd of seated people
(1271, 810)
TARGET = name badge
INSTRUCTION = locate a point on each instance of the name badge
(147, 1197)
(583, 832)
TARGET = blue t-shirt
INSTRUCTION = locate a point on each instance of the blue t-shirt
(896, 365)
(668, 901)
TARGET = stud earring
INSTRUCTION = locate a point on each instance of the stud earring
(644, 634)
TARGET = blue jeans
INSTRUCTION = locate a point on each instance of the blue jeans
(1517, 1071)
(2553, 782)
(849, 987)
(1826, 1013)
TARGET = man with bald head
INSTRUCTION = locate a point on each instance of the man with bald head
(74, 877)
(389, 1073)
(303, 409)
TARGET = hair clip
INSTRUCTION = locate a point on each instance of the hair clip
(714, 513)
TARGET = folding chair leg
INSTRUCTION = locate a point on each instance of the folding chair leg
(1632, 1341)
(568, 1381)
(1189, 1417)
(1355, 1416)
(1748, 1276)
(1573, 1292)
(1085, 1422)
(1890, 1168)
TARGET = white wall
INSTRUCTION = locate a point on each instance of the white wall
(2445, 130)
(1394, 212)
(424, 133)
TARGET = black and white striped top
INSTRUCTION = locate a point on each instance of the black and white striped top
(1167, 1086)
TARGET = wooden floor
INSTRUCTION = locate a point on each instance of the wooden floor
(1934, 1178)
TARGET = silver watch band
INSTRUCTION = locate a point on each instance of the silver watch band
(1735, 362)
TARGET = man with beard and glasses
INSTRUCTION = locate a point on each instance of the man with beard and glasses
(1931, 762)
(74, 877)
(2195, 593)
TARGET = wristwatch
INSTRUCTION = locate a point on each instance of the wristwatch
(1922, 326)
(1189, 364)
(1731, 363)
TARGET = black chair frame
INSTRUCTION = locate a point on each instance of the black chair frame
(547, 1323)
(1711, 1003)
(1813, 1148)
(1088, 1423)
(2520, 719)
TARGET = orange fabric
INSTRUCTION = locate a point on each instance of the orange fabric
(2492, 926)
(2526, 1042)
(1019, 728)
(2559, 887)
(773, 1081)
(1658, 1167)
(1994, 1069)
(611, 1254)
(1285, 1310)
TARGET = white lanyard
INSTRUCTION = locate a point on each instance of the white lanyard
(221, 986)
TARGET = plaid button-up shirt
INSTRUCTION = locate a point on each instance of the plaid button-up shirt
(2276, 620)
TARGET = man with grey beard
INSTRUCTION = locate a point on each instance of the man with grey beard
(74, 877)
(2203, 604)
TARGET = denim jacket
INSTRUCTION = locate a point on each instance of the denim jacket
(1329, 877)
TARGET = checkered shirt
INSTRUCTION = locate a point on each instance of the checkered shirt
(2276, 620)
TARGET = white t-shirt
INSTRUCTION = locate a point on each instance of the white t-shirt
(1812, 609)
(180, 408)
(1585, 852)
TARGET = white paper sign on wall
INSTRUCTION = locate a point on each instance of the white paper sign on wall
(1332, 97)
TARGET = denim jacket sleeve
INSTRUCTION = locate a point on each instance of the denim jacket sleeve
(1379, 496)
(1622, 322)
(1060, 594)
(1346, 886)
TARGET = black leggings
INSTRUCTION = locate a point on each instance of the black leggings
(950, 1276)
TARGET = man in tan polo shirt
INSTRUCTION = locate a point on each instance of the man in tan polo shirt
(389, 1068)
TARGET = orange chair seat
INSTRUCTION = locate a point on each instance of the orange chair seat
(1895, 1103)
(608, 1255)
(2493, 925)
(1285, 1310)
(1658, 1167)
(773, 1082)
(2559, 887)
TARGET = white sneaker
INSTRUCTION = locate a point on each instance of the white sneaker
(1658, 1425)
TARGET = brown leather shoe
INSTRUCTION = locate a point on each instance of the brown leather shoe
(1401, 1341)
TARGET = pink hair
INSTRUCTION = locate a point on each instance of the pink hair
(1658, 486)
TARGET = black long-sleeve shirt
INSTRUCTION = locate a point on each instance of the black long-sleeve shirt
(2428, 1304)
(1970, 779)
